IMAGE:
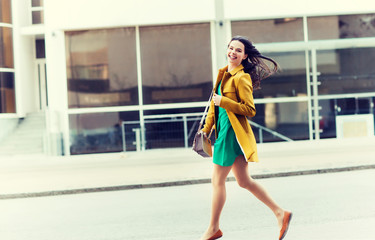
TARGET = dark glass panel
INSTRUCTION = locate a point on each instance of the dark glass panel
(289, 119)
(6, 48)
(346, 71)
(176, 63)
(102, 68)
(290, 81)
(102, 132)
(272, 30)
(7, 93)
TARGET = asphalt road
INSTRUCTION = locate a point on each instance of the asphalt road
(326, 206)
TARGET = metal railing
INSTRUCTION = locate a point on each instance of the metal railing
(139, 136)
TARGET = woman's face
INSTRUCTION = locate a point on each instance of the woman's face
(236, 53)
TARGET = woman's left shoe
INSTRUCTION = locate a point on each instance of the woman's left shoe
(217, 235)
(286, 222)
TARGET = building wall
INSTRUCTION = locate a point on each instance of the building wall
(223, 18)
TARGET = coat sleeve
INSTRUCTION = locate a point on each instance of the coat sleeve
(209, 123)
(244, 91)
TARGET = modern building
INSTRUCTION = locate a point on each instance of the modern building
(93, 76)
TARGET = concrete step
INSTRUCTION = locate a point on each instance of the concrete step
(27, 138)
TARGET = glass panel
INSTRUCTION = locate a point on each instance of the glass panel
(40, 48)
(7, 93)
(5, 11)
(37, 3)
(290, 81)
(6, 48)
(37, 17)
(272, 30)
(176, 63)
(345, 26)
(346, 71)
(101, 132)
(102, 68)
(170, 131)
(331, 108)
(288, 119)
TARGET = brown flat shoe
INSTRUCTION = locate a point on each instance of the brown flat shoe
(286, 221)
(217, 235)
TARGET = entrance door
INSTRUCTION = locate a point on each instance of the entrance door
(42, 83)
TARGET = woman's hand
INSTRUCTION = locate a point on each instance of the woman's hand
(217, 99)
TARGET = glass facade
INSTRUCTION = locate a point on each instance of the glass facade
(339, 27)
(37, 11)
(176, 63)
(301, 102)
(7, 89)
(102, 132)
(346, 71)
(271, 30)
(102, 68)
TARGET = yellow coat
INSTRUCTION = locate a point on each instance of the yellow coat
(237, 99)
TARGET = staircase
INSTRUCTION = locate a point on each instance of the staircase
(27, 138)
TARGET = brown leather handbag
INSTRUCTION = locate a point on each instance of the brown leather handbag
(202, 143)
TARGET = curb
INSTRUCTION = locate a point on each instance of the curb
(177, 183)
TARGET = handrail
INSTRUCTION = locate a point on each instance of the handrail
(270, 131)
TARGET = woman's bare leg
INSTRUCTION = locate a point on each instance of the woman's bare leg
(219, 177)
(241, 173)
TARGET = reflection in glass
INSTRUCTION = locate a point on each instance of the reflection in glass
(330, 108)
(7, 93)
(6, 48)
(176, 63)
(290, 81)
(102, 132)
(289, 119)
(338, 27)
(37, 3)
(5, 11)
(346, 71)
(272, 30)
(37, 17)
(170, 131)
(101, 68)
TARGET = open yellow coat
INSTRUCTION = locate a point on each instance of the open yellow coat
(237, 100)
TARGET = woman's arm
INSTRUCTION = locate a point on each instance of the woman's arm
(244, 91)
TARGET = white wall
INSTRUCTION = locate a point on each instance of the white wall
(83, 14)
(245, 9)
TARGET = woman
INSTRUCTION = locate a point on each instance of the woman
(235, 145)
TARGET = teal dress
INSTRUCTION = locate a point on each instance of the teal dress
(226, 147)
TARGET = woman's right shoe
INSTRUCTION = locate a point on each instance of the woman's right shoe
(217, 235)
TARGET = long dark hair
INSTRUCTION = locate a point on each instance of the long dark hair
(256, 64)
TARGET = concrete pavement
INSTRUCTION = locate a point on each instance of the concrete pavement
(40, 175)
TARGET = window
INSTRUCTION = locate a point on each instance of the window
(101, 68)
(37, 11)
(6, 48)
(290, 81)
(290, 119)
(272, 30)
(101, 132)
(176, 63)
(5, 11)
(346, 71)
(7, 93)
(339, 27)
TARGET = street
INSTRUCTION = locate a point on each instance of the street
(325, 206)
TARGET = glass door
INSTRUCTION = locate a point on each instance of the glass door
(42, 83)
(343, 91)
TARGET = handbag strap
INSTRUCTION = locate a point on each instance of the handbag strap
(204, 113)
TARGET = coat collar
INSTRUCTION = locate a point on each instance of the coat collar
(234, 71)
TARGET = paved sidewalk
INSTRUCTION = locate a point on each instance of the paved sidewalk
(35, 175)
